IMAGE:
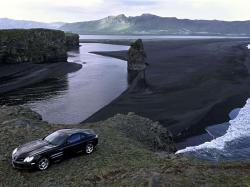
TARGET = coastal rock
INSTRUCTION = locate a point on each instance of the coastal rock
(35, 45)
(155, 180)
(163, 139)
(136, 56)
(149, 133)
(72, 40)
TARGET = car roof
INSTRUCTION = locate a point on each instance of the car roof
(73, 131)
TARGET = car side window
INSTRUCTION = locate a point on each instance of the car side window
(74, 138)
(83, 136)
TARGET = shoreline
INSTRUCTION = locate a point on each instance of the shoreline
(129, 41)
(121, 55)
(107, 41)
(16, 76)
(216, 112)
(196, 120)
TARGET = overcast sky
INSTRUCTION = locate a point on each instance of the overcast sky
(81, 10)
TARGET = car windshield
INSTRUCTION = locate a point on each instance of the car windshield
(56, 138)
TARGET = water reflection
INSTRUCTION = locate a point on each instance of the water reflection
(75, 97)
(41, 91)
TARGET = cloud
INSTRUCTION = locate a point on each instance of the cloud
(138, 2)
(79, 10)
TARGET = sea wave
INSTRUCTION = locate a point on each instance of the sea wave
(235, 144)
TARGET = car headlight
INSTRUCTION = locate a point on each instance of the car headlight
(28, 159)
(14, 151)
(96, 136)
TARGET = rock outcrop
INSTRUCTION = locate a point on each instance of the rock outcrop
(34, 45)
(136, 56)
(72, 40)
(151, 134)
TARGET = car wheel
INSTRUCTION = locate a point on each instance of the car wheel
(89, 148)
(43, 164)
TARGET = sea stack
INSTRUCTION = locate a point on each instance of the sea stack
(136, 56)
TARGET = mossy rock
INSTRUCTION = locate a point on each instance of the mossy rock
(137, 56)
(35, 45)
(72, 40)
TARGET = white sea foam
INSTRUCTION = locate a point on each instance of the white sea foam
(248, 46)
(239, 129)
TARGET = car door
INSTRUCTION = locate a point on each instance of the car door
(73, 144)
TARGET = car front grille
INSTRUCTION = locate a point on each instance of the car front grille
(19, 159)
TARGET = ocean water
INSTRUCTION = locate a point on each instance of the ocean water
(211, 132)
(218, 130)
(230, 140)
(150, 37)
(233, 145)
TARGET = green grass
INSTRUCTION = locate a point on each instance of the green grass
(119, 160)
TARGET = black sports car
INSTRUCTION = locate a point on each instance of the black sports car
(56, 146)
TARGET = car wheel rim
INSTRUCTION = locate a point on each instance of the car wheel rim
(89, 148)
(43, 164)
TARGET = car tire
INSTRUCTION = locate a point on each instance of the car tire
(89, 148)
(43, 164)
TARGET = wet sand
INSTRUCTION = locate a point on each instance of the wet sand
(16, 76)
(189, 84)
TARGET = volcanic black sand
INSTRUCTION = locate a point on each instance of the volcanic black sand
(189, 84)
(17, 76)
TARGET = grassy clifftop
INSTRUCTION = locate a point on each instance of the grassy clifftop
(121, 158)
(35, 45)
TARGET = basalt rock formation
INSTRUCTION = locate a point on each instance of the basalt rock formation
(35, 46)
(136, 56)
(72, 40)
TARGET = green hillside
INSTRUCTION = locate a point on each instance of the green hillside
(151, 24)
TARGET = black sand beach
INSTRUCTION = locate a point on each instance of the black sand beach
(16, 76)
(189, 84)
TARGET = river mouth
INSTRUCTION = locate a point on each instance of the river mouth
(72, 98)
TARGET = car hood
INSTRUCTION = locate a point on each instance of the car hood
(32, 148)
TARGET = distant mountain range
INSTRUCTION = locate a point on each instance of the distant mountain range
(152, 24)
(146, 24)
(6, 23)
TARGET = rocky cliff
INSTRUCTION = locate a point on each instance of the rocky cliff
(72, 40)
(136, 56)
(34, 45)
